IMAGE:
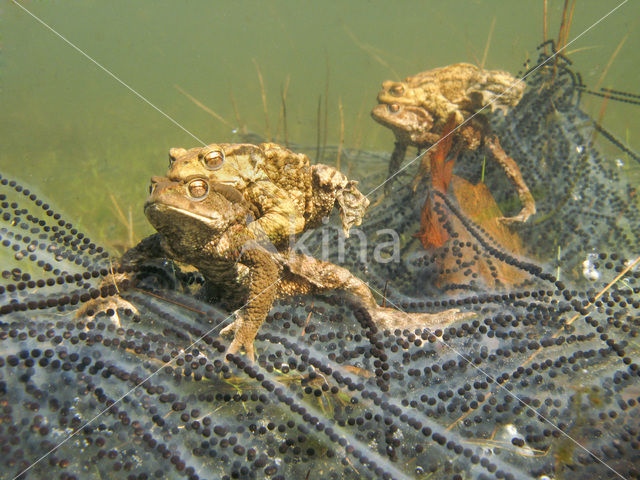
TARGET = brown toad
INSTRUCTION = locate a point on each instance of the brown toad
(204, 224)
(417, 109)
(290, 195)
(459, 89)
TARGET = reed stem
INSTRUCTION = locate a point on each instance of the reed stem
(486, 47)
(340, 144)
(199, 104)
(318, 134)
(264, 100)
(545, 20)
(283, 110)
(241, 126)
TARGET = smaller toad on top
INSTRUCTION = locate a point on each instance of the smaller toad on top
(290, 194)
(460, 89)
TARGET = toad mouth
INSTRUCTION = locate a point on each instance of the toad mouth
(162, 208)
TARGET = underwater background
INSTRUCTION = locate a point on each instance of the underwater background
(80, 137)
(541, 383)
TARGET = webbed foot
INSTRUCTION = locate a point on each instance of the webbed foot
(244, 333)
(417, 180)
(522, 217)
(113, 303)
(229, 329)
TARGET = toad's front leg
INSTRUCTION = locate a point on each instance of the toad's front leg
(122, 274)
(264, 278)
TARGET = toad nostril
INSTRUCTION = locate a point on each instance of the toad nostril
(154, 183)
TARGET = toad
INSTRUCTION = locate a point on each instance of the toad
(417, 109)
(290, 195)
(204, 224)
(459, 89)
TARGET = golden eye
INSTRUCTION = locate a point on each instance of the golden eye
(213, 160)
(397, 90)
(393, 107)
(198, 189)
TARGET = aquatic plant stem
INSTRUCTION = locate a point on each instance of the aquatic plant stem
(356, 136)
(264, 99)
(202, 106)
(306, 323)
(318, 133)
(127, 222)
(371, 51)
(610, 62)
(241, 125)
(545, 20)
(341, 142)
(325, 127)
(283, 110)
(131, 236)
(604, 290)
(603, 108)
(563, 22)
(168, 300)
(488, 44)
(566, 33)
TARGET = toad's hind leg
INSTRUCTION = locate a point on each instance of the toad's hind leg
(512, 170)
(423, 171)
(399, 151)
(304, 274)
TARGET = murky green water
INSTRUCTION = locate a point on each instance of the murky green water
(90, 144)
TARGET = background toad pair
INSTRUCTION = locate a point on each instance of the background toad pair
(417, 109)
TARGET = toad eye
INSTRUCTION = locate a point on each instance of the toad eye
(198, 189)
(397, 90)
(393, 107)
(213, 160)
